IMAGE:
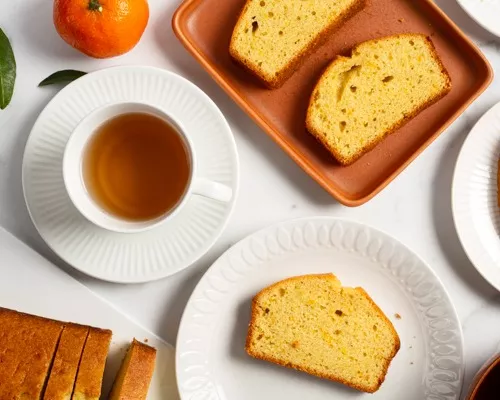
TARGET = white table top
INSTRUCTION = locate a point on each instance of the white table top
(415, 208)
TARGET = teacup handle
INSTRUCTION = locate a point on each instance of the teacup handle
(212, 190)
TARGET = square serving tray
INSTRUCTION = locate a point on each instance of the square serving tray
(205, 27)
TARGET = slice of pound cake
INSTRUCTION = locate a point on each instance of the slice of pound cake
(273, 37)
(313, 324)
(66, 362)
(135, 374)
(27, 347)
(88, 382)
(363, 98)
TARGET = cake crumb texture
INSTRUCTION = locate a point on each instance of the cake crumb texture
(361, 99)
(66, 362)
(313, 324)
(273, 37)
(88, 383)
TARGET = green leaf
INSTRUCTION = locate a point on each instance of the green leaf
(7, 71)
(65, 76)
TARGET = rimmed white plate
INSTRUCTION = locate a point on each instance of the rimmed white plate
(210, 359)
(474, 196)
(484, 12)
(140, 257)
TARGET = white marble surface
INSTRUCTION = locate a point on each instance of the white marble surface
(415, 208)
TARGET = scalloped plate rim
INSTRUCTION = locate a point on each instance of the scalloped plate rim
(303, 220)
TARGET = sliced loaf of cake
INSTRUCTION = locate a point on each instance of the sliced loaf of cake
(88, 383)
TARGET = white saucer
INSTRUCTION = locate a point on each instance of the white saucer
(484, 12)
(474, 196)
(141, 257)
(211, 362)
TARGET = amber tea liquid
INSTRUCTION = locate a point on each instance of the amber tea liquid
(136, 167)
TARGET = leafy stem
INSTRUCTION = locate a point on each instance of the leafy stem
(95, 5)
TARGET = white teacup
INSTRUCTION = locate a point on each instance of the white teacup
(83, 201)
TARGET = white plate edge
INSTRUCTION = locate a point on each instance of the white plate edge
(458, 227)
(349, 221)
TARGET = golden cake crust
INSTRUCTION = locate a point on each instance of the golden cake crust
(88, 383)
(27, 347)
(136, 372)
(370, 145)
(66, 362)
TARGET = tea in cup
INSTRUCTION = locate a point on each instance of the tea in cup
(129, 167)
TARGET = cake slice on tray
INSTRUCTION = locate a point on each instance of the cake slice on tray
(361, 99)
(272, 38)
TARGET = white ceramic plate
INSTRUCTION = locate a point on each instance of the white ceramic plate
(484, 12)
(474, 196)
(61, 297)
(211, 362)
(140, 257)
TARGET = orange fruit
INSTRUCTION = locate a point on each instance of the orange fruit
(101, 28)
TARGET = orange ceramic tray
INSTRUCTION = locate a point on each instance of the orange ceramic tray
(205, 27)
